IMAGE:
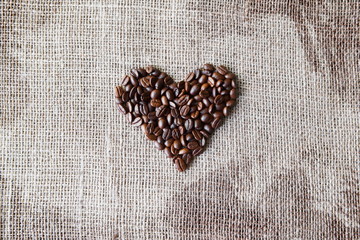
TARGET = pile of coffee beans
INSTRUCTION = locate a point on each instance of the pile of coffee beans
(178, 117)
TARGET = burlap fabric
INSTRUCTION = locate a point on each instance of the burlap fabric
(285, 165)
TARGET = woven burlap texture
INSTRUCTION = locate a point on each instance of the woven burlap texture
(285, 165)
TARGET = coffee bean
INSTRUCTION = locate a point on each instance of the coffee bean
(192, 145)
(125, 97)
(190, 77)
(167, 151)
(169, 119)
(137, 122)
(159, 145)
(217, 76)
(152, 116)
(130, 117)
(182, 130)
(219, 83)
(230, 103)
(158, 131)
(187, 158)
(145, 96)
(144, 109)
(222, 70)
(220, 107)
(226, 111)
(177, 144)
(149, 69)
(197, 151)
(145, 118)
(164, 100)
(159, 84)
(206, 118)
(174, 150)
(172, 104)
(205, 133)
(204, 94)
(218, 114)
(182, 100)
(184, 151)
(208, 128)
(184, 110)
(211, 108)
(189, 124)
(129, 106)
(134, 81)
(175, 133)
(155, 102)
(155, 72)
(206, 102)
(189, 137)
(227, 83)
(197, 73)
(159, 139)
(216, 123)
(169, 142)
(119, 91)
(196, 134)
(155, 93)
(195, 114)
(180, 164)
(203, 79)
(151, 137)
(152, 81)
(168, 81)
(162, 75)
(230, 75)
(198, 124)
(135, 73)
(233, 93)
(174, 112)
(219, 99)
(125, 80)
(150, 128)
(144, 82)
(182, 140)
(122, 109)
(161, 111)
(178, 121)
(169, 95)
(195, 89)
(211, 81)
(209, 67)
(162, 123)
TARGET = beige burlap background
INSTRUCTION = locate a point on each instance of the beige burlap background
(285, 165)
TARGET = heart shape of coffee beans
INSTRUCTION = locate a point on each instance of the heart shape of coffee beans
(178, 117)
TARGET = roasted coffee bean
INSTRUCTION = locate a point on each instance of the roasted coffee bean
(169, 119)
(159, 84)
(192, 145)
(172, 104)
(178, 121)
(129, 106)
(152, 116)
(122, 109)
(134, 72)
(130, 117)
(169, 81)
(233, 93)
(204, 94)
(227, 83)
(189, 124)
(164, 100)
(205, 133)
(189, 137)
(180, 164)
(190, 102)
(144, 109)
(169, 95)
(218, 99)
(200, 106)
(150, 128)
(155, 72)
(220, 107)
(187, 158)
(197, 135)
(195, 114)
(211, 108)
(168, 153)
(197, 73)
(162, 75)
(195, 89)
(145, 118)
(177, 144)
(158, 131)
(230, 103)
(145, 96)
(211, 81)
(230, 75)
(233, 84)
(119, 91)
(209, 67)
(182, 100)
(184, 110)
(125, 80)
(125, 97)
(182, 130)
(174, 150)
(151, 137)
(134, 81)
(118, 101)
(149, 69)
(174, 112)
(219, 83)
(197, 151)
(175, 133)
(206, 102)
(152, 81)
(208, 128)
(162, 123)
(190, 77)
(182, 140)
(226, 111)
(198, 124)
(137, 122)
(217, 76)
(218, 114)
(206, 118)
(159, 139)
(222, 70)
(203, 79)
(161, 111)
(155, 102)
(144, 82)
(184, 151)
(155, 93)
(216, 123)
(169, 142)
(159, 145)
(136, 110)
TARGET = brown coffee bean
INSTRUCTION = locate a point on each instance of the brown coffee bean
(151, 137)
(197, 151)
(170, 82)
(161, 111)
(130, 117)
(190, 102)
(189, 124)
(180, 164)
(182, 130)
(134, 81)
(211, 108)
(129, 106)
(189, 137)
(119, 91)
(137, 122)
(211, 81)
(162, 123)
(152, 81)
(226, 111)
(144, 82)
(209, 67)
(184, 151)
(174, 150)
(230, 75)
(208, 128)
(197, 135)
(190, 77)
(217, 76)
(227, 83)
(164, 100)
(216, 123)
(195, 89)
(206, 102)
(230, 103)
(200, 106)
(222, 70)
(132, 93)
(150, 128)
(145, 96)
(182, 140)
(218, 114)
(125, 97)
(204, 94)
(159, 84)
(162, 75)
(233, 93)
(144, 109)
(184, 110)
(203, 79)
(206, 118)
(198, 124)
(158, 131)
(125, 80)
(174, 112)
(187, 158)
(155, 93)
(205, 133)
(134, 72)
(169, 119)
(143, 128)
(192, 145)
(122, 109)
(197, 73)
(118, 101)
(169, 142)
(159, 139)
(178, 121)
(195, 114)
(219, 83)
(152, 116)
(220, 107)
(128, 88)
(172, 104)
(169, 95)
(168, 153)
(155, 102)
(177, 144)
(182, 100)
(149, 69)
(219, 99)
(145, 118)
(175, 133)
(159, 145)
